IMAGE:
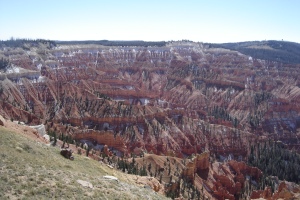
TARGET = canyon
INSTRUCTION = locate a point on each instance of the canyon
(191, 109)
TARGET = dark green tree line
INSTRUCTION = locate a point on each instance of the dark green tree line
(274, 160)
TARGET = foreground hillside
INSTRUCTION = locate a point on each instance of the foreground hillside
(30, 169)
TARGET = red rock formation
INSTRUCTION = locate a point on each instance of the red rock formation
(202, 161)
(106, 151)
(285, 190)
(103, 138)
(197, 165)
(222, 193)
(242, 168)
(160, 100)
(189, 171)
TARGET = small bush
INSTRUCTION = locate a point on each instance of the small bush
(79, 151)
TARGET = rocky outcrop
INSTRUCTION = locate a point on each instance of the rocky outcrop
(242, 168)
(106, 138)
(178, 100)
(153, 183)
(199, 164)
(202, 161)
(285, 190)
(67, 153)
(224, 181)
(222, 193)
(189, 171)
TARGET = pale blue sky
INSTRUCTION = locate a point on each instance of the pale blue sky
(152, 20)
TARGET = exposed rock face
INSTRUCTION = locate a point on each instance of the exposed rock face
(220, 180)
(224, 187)
(199, 165)
(242, 168)
(147, 86)
(285, 190)
(152, 182)
(189, 171)
(265, 194)
(103, 138)
(178, 100)
(202, 161)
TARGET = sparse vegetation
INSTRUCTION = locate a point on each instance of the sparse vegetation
(115, 43)
(281, 51)
(20, 42)
(133, 100)
(31, 170)
(4, 63)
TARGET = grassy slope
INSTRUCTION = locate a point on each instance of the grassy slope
(31, 170)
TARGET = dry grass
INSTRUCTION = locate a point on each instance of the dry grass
(32, 170)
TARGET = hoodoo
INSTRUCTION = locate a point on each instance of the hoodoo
(203, 120)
